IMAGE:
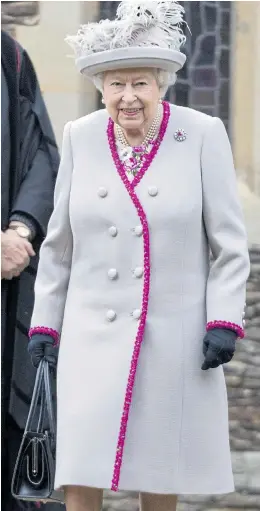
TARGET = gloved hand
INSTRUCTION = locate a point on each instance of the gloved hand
(219, 345)
(41, 346)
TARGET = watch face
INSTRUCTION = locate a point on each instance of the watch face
(23, 232)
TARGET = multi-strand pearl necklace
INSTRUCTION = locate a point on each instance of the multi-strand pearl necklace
(134, 156)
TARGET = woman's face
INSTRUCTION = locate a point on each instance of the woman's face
(131, 97)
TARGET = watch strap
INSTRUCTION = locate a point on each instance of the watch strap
(16, 217)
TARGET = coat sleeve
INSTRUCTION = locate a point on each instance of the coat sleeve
(39, 157)
(56, 253)
(223, 218)
(35, 196)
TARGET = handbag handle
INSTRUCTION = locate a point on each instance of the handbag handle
(42, 391)
(35, 399)
(41, 410)
(48, 398)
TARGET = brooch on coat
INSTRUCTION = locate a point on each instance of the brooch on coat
(180, 135)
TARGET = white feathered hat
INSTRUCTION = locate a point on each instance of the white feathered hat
(143, 34)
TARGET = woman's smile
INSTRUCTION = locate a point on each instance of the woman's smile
(130, 112)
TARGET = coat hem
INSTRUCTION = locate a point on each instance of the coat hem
(175, 490)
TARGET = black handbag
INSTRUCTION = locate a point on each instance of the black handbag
(33, 477)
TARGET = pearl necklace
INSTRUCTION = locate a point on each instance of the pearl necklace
(151, 134)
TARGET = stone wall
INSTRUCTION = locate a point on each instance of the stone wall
(243, 381)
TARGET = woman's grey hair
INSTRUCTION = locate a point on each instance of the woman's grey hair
(164, 80)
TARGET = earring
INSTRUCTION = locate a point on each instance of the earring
(103, 101)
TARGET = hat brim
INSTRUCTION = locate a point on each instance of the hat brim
(131, 57)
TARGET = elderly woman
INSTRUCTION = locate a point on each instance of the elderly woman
(144, 319)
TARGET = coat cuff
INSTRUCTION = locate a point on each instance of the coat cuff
(226, 324)
(45, 331)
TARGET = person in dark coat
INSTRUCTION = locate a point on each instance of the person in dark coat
(30, 161)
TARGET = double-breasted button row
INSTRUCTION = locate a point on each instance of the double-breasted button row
(152, 190)
(137, 231)
(113, 273)
(111, 314)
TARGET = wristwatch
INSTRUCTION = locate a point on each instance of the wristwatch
(22, 231)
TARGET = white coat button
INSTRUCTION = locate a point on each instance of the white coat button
(138, 230)
(102, 192)
(153, 191)
(111, 315)
(112, 231)
(112, 274)
(136, 314)
(138, 272)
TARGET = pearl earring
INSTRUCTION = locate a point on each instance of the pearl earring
(103, 101)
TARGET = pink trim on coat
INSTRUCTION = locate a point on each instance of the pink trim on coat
(44, 330)
(146, 287)
(226, 324)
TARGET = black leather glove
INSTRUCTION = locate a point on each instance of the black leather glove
(41, 346)
(219, 345)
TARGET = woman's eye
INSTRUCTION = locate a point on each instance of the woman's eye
(141, 84)
(116, 84)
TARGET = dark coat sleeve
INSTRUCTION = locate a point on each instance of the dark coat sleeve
(39, 158)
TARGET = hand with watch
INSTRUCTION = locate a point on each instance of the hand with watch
(21, 229)
(16, 250)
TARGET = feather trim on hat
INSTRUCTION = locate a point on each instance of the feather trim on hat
(142, 23)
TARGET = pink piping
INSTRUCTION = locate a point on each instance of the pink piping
(18, 58)
(146, 237)
(226, 324)
(45, 331)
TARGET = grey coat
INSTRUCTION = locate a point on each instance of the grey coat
(189, 200)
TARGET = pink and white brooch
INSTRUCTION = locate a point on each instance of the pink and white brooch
(180, 135)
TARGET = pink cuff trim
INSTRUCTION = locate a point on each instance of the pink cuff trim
(45, 331)
(226, 324)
